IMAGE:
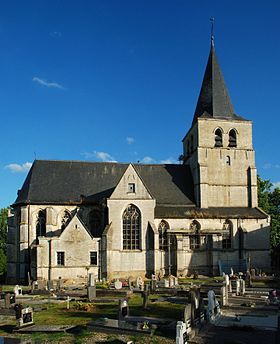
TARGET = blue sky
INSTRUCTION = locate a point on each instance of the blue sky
(118, 80)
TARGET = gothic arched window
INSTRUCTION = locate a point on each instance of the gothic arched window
(131, 228)
(232, 142)
(66, 218)
(95, 223)
(226, 234)
(218, 138)
(195, 240)
(41, 223)
(162, 233)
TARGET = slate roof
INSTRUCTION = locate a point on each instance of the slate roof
(165, 211)
(60, 182)
(214, 100)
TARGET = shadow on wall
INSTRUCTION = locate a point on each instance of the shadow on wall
(253, 246)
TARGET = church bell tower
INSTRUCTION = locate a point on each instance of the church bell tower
(218, 147)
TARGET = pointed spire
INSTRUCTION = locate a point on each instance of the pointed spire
(214, 100)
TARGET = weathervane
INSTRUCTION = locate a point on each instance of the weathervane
(212, 31)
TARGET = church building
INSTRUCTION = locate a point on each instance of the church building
(117, 220)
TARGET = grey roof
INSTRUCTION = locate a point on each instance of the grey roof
(214, 100)
(58, 182)
(165, 211)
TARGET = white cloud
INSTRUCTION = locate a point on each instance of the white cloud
(103, 156)
(147, 160)
(276, 185)
(169, 161)
(129, 140)
(17, 168)
(46, 83)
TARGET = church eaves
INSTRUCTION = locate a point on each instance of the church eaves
(214, 100)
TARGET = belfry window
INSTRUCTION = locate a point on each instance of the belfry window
(41, 223)
(195, 239)
(94, 221)
(131, 228)
(162, 233)
(226, 234)
(232, 142)
(218, 138)
(66, 218)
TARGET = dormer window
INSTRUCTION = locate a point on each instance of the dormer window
(218, 138)
(131, 188)
(232, 138)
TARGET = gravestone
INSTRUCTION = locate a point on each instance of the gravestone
(248, 279)
(253, 273)
(224, 296)
(140, 283)
(213, 309)
(242, 287)
(197, 307)
(230, 287)
(60, 284)
(91, 293)
(226, 281)
(7, 300)
(166, 283)
(130, 283)
(17, 290)
(123, 309)
(50, 285)
(171, 281)
(181, 333)
(91, 280)
(24, 316)
(118, 284)
(238, 288)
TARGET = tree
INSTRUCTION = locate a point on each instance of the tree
(269, 201)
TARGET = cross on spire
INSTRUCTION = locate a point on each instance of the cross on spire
(212, 19)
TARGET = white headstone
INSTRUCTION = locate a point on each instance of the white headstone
(166, 283)
(238, 287)
(118, 284)
(180, 331)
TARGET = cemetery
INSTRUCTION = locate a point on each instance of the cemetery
(231, 308)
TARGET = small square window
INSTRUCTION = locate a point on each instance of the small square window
(131, 188)
(93, 258)
(60, 258)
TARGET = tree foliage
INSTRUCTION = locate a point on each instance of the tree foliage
(269, 201)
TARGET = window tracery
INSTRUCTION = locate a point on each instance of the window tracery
(131, 228)
(227, 234)
(195, 238)
(162, 232)
(41, 223)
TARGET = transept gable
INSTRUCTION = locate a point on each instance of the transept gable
(75, 231)
(131, 186)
